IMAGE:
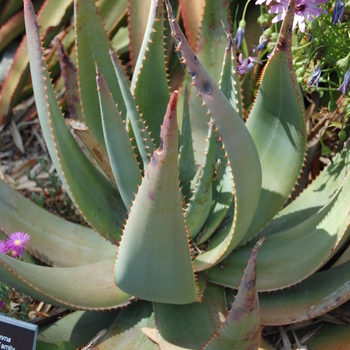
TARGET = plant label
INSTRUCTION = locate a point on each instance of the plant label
(17, 335)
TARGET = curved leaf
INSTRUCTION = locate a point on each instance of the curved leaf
(294, 254)
(245, 164)
(241, 329)
(277, 126)
(190, 326)
(321, 293)
(199, 204)
(120, 152)
(154, 261)
(53, 240)
(89, 287)
(92, 47)
(93, 194)
(150, 64)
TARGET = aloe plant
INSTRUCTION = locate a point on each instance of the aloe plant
(169, 239)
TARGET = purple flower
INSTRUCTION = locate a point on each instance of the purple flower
(338, 12)
(16, 253)
(315, 77)
(240, 34)
(2, 305)
(261, 46)
(343, 87)
(239, 37)
(16, 243)
(3, 247)
(303, 9)
(247, 64)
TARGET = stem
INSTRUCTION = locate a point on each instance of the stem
(245, 9)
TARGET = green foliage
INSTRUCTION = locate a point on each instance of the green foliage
(177, 250)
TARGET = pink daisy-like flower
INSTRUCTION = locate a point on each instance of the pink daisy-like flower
(303, 9)
(15, 253)
(17, 241)
(3, 247)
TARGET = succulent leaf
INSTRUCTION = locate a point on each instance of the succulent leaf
(137, 24)
(89, 287)
(229, 82)
(320, 293)
(199, 204)
(277, 126)
(126, 332)
(79, 245)
(150, 64)
(50, 16)
(241, 329)
(187, 166)
(153, 260)
(70, 77)
(294, 254)
(96, 196)
(143, 139)
(212, 34)
(92, 44)
(190, 326)
(192, 15)
(120, 152)
(245, 164)
(78, 327)
(315, 196)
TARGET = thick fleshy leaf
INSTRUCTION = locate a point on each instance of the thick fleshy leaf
(192, 17)
(199, 204)
(120, 152)
(126, 332)
(94, 195)
(92, 47)
(78, 327)
(187, 166)
(88, 287)
(15, 81)
(137, 23)
(154, 261)
(331, 337)
(245, 164)
(143, 139)
(241, 329)
(211, 56)
(150, 82)
(190, 326)
(320, 293)
(222, 194)
(70, 77)
(51, 14)
(113, 13)
(11, 29)
(10, 9)
(229, 82)
(53, 240)
(277, 126)
(289, 256)
(315, 196)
